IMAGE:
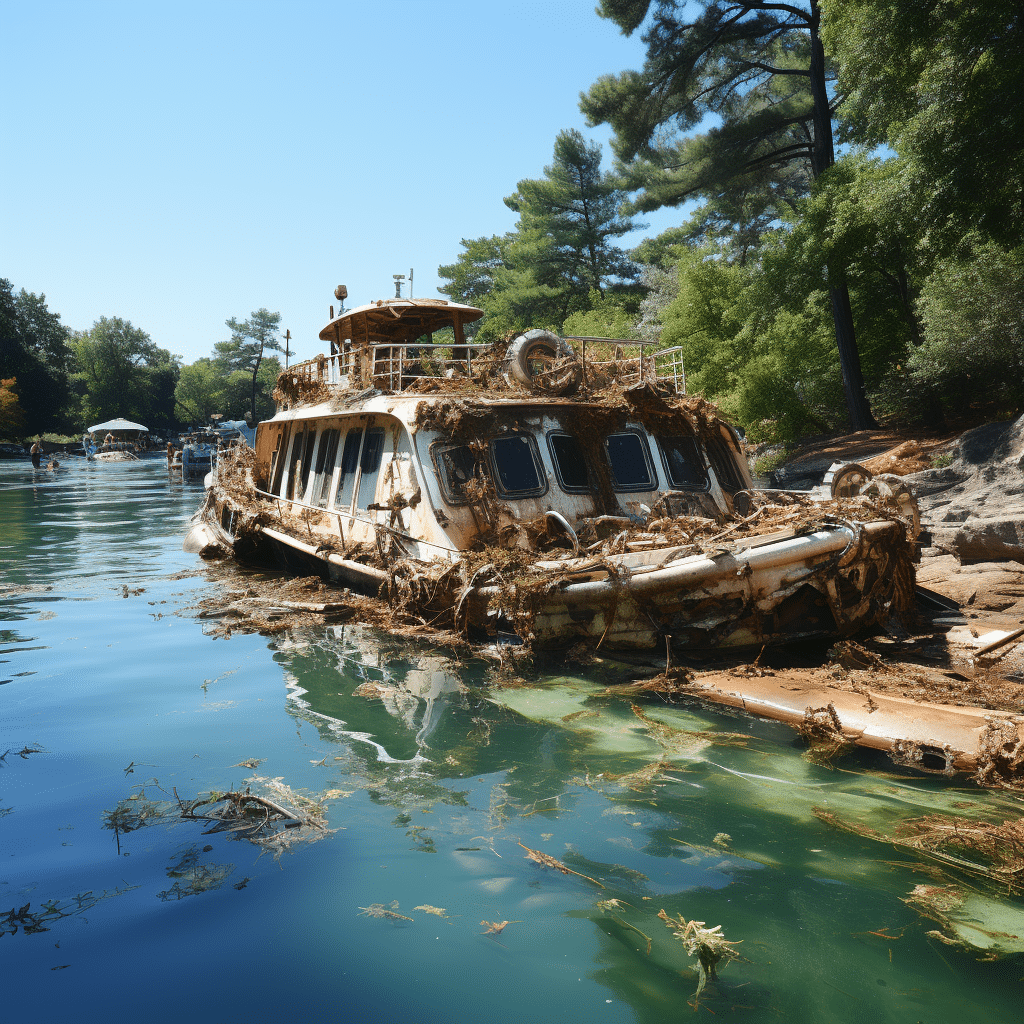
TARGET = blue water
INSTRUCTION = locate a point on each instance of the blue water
(113, 685)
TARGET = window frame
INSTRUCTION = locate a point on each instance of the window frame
(538, 463)
(587, 489)
(652, 471)
(701, 464)
(437, 449)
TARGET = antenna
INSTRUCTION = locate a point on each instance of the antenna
(410, 282)
(287, 350)
(398, 278)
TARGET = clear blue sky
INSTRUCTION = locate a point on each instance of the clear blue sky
(176, 164)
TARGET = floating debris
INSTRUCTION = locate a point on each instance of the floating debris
(428, 909)
(494, 927)
(379, 910)
(824, 735)
(708, 945)
(642, 778)
(23, 753)
(191, 877)
(250, 763)
(970, 921)
(276, 822)
(982, 848)
(32, 922)
(132, 813)
(686, 741)
(546, 861)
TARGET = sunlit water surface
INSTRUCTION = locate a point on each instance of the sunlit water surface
(125, 691)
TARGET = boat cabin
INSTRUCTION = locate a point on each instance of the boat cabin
(394, 431)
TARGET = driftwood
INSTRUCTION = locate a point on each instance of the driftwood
(236, 813)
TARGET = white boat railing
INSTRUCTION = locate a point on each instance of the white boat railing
(395, 366)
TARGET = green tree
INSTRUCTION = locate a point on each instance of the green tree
(972, 311)
(34, 350)
(760, 69)
(576, 207)
(12, 418)
(936, 80)
(236, 391)
(607, 317)
(199, 391)
(124, 373)
(472, 276)
(561, 252)
(243, 351)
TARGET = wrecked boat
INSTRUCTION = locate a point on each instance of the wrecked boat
(555, 490)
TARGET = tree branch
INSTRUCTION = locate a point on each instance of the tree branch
(774, 71)
(795, 11)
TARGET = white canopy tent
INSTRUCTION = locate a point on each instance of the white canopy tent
(112, 425)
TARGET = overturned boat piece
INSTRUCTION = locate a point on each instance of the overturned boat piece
(556, 494)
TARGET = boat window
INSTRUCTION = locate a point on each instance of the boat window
(325, 457)
(630, 461)
(456, 466)
(369, 464)
(517, 466)
(683, 463)
(307, 462)
(372, 448)
(277, 461)
(723, 461)
(570, 465)
(349, 465)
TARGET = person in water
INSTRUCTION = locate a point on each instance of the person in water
(36, 451)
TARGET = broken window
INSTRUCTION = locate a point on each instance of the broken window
(723, 461)
(683, 463)
(517, 466)
(301, 460)
(570, 465)
(277, 461)
(325, 457)
(349, 465)
(369, 464)
(630, 461)
(372, 448)
(307, 462)
(456, 466)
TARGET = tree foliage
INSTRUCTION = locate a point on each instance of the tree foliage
(939, 82)
(34, 350)
(12, 418)
(562, 251)
(972, 312)
(760, 70)
(124, 373)
(243, 351)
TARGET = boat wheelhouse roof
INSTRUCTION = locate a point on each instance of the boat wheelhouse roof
(398, 320)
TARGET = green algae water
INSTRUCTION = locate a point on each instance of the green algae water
(116, 693)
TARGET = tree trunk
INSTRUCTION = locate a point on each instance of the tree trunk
(849, 360)
(822, 158)
(255, 370)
